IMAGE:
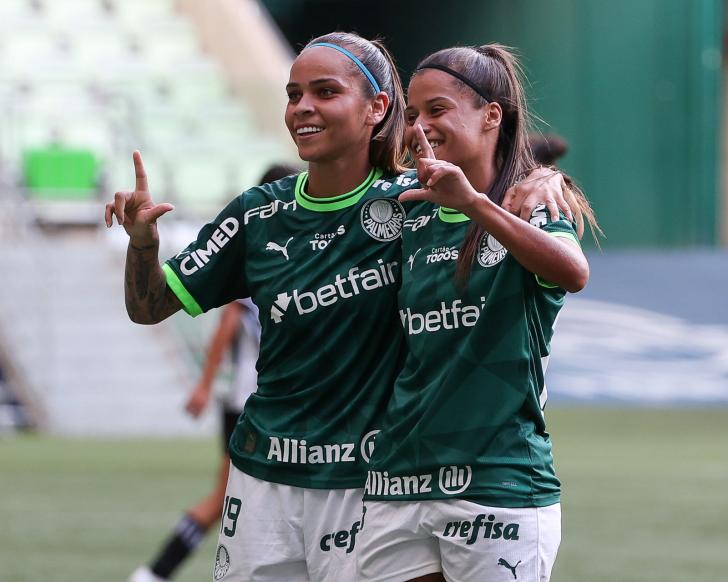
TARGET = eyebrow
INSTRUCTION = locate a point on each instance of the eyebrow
(324, 81)
(431, 101)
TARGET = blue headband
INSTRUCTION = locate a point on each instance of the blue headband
(357, 62)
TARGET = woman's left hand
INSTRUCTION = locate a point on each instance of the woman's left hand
(542, 186)
(441, 182)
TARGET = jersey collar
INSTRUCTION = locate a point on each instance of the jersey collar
(450, 215)
(334, 202)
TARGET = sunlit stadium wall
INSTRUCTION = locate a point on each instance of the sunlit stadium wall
(633, 86)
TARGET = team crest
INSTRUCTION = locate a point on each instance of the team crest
(222, 562)
(490, 251)
(382, 219)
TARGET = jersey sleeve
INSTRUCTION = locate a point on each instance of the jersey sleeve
(562, 228)
(210, 271)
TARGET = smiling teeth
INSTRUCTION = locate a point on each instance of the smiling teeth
(433, 145)
(305, 130)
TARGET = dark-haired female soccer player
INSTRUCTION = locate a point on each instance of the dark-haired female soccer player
(461, 483)
(319, 254)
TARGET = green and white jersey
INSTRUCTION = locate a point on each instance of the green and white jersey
(325, 274)
(466, 418)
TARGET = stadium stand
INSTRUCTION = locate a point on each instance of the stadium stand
(82, 84)
(110, 76)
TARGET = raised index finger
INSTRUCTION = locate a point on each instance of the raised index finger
(141, 175)
(425, 147)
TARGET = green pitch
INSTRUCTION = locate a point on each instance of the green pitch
(645, 499)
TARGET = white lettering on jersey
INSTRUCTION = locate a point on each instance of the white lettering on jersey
(380, 483)
(400, 180)
(268, 210)
(415, 224)
(538, 216)
(287, 450)
(198, 258)
(354, 283)
(442, 254)
(447, 317)
(321, 240)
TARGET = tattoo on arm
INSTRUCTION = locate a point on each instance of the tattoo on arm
(148, 298)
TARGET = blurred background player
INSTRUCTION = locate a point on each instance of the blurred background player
(547, 148)
(237, 333)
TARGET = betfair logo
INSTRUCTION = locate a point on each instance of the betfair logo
(453, 316)
(453, 479)
(355, 283)
(488, 527)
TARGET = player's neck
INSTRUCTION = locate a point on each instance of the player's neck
(326, 179)
(481, 176)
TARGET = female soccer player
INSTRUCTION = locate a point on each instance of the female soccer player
(319, 254)
(461, 483)
(238, 332)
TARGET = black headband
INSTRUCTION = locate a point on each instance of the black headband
(459, 76)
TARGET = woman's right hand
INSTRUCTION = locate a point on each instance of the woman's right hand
(136, 211)
(198, 400)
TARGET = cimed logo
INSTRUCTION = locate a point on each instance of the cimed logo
(382, 219)
(272, 246)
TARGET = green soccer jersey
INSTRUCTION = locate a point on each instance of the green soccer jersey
(325, 275)
(466, 418)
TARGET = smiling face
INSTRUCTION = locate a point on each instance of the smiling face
(328, 115)
(459, 131)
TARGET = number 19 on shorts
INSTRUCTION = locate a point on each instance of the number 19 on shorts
(230, 514)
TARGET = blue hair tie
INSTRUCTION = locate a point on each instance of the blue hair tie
(357, 62)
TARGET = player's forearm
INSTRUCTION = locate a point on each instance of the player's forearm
(148, 299)
(554, 260)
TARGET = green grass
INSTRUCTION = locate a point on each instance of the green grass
(645, 499)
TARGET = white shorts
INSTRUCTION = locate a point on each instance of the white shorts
(401, 540)
(272, 532)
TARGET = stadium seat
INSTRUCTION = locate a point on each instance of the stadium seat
(59, 173)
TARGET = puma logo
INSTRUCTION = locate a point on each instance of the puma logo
(271, 246)
(411, 260)
(502, 562)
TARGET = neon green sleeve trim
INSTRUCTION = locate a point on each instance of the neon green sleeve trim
(451, 216)
(188, 302)
(556, 234)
